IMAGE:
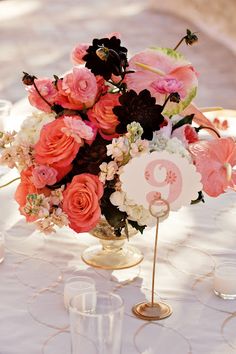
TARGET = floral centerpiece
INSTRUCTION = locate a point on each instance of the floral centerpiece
(95, 119)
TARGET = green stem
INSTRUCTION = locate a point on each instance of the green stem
(177, 46)
(44, 99)
(8, 183)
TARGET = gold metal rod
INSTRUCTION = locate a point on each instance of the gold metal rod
(154, 261)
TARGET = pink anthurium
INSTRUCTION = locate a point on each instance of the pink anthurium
(163, 71)
(215, 161)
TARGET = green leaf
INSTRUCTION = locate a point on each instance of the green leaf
(186, 120)
(137, 226)
(199, 199)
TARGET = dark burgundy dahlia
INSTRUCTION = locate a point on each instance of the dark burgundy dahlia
(105, 57)
(141, 108)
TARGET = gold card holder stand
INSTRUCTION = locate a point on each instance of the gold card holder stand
(154, 311)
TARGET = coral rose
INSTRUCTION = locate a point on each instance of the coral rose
(47, 90)
(103, 117)
(79, 88)
(81, 202)
(55, 147)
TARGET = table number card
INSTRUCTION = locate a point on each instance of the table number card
(161, 175)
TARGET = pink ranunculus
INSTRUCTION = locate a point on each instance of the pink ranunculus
(79, 87)
(81, 202)
(215, 160)
(47, 90)
(26, 187)
(168, 85)
(43, 175)
(103, 117)
(186, 133)
(54, 147)
(162, 70)
(79, 52)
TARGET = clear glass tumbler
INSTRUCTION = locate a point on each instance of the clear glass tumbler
(225, 280)
(96, 323)
(77, 285)
(5, 110)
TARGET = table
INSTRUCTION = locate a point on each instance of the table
(191, 243)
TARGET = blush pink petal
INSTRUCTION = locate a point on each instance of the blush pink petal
(211, 158)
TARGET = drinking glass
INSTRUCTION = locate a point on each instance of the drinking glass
(96, 323)
(225, 280)
(2, 246)
(5, 109)
(77, 285)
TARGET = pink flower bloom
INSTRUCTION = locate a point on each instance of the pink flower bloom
(81, 202)
(79, 87)
(26, 187)
(55, 147)
(47, 90)
(215, 160)
(200, 119)
(163, 71)
(79, 52)
(103, 117)
(168, 85)
(43, 175)
(78, 129)
(186, 133)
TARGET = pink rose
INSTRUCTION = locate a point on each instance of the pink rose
(79, 87)
(43, 175)
(103, 117)
(186, 133)
(54, 147)
(79, 52)
(47, 90)
(24, 188)
(81, 202)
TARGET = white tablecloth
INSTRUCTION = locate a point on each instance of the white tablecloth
(191, 243)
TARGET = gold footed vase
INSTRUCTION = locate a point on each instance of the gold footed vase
(113, 252)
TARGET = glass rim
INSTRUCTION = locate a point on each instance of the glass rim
(81, 277)
(87, 314)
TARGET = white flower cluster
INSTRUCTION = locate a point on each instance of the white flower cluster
(125, 147)
(31, 127)
(47, 210)
(135, 212)
(161, 142)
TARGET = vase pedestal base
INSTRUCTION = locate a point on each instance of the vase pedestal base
(112, 258)
(152, 312)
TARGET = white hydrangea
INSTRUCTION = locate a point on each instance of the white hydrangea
(134, 211)
(32, 125)
(161, 142)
